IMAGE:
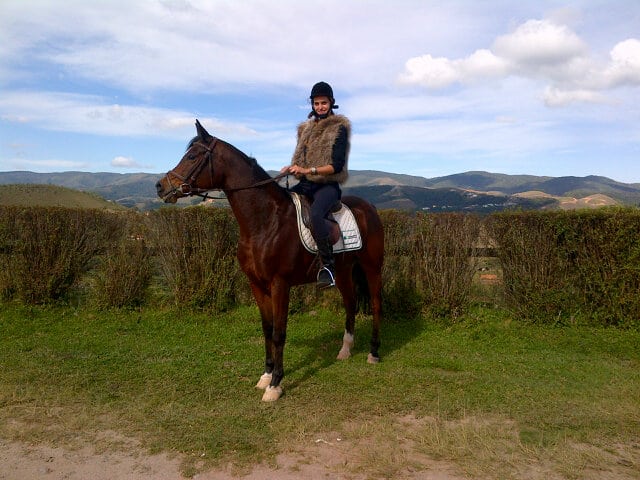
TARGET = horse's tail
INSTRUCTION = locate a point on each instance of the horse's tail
(361, 285)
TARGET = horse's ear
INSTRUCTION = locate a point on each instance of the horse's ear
(202, 132)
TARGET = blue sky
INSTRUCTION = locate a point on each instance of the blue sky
(432, 88)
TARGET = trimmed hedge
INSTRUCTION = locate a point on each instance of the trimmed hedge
(46, 251)
(447, 261)
(195, 252)
(559, 266)
(556, 266)
(125, 271)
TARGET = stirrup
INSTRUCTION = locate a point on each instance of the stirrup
(325, 279)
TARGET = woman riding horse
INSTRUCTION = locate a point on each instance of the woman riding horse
(320, 163)
(270, 252)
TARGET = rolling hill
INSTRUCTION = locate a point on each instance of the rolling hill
(470, 191)
(569, 186)
(31, 195)
(127, 189)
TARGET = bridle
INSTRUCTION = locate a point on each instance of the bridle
(186, 188)
(187, 180)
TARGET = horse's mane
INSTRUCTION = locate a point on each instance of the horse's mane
(251, 161)
(191, 142)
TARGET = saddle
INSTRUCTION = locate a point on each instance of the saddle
(343, 228)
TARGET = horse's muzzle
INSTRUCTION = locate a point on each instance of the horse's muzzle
(167, 197)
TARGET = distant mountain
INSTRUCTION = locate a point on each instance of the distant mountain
(402, 197)
(577, 187)
(361, 178)
(469, 191)
(565, 192)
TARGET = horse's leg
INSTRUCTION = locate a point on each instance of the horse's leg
(374, 279)
(266, 315)
(280, 312)
(344, 282)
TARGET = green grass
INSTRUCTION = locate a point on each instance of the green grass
(480, 391)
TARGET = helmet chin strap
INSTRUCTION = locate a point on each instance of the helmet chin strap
(313, 113)
(318, 116)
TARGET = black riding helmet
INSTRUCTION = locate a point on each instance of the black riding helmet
(322, 89)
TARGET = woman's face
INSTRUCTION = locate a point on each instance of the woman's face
(321, 105)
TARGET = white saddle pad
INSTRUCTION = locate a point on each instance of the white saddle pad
(350, 238)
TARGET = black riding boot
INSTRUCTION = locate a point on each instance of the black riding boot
(326, 275)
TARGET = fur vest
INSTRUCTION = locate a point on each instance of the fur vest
(315, 146)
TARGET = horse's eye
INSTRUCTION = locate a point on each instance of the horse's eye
(192, 156)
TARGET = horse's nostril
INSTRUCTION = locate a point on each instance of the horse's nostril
(158, 186)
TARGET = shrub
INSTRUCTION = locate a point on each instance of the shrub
(49, 249)
(446, 261)
(400, 294)
(559, 265)
(555, 265)
(7, 239)
(535, 267)
(195, 249)
(603, 247)
(125, 269)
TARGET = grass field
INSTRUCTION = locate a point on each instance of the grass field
(490, 395)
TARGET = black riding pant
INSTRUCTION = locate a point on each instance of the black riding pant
(322, 196)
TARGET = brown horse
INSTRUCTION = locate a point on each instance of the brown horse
(269, 249)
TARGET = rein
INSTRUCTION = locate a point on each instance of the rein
(185, 187)
(260, 183)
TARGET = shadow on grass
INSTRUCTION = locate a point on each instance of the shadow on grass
(322, 348)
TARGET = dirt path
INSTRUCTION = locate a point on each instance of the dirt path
(325, 459)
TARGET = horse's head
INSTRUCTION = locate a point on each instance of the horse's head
(194, 173)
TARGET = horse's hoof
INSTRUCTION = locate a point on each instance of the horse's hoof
(264, 381)
(271, 394)
(372, 359)
(344, 354)
(347, 344)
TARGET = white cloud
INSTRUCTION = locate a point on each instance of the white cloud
(125, 162)
(243, 68)
(160, 45)
(483, 63)
(555, 97)
(209, 46)
(430, 72)
(535, 50)
(43, 165)
(441, 72)
(92, 114)
(539, 43)
(624, 68)
(215, 46)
